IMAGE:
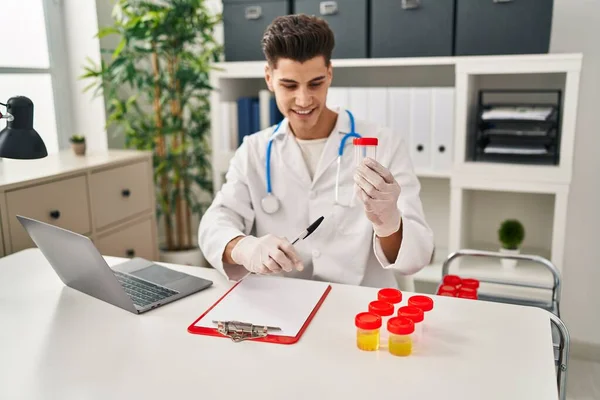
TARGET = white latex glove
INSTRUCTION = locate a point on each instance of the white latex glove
(267, 254)
(379, 192)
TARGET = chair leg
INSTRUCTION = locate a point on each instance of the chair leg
(563, 357)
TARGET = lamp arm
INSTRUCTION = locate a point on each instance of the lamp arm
(7, 116)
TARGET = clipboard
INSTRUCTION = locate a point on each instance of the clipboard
(255, 309)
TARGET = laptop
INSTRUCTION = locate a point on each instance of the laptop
(137, 285)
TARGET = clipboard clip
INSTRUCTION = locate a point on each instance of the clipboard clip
(239, 331)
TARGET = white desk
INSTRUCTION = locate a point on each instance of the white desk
(58, 343)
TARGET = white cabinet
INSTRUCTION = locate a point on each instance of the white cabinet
(108, 197)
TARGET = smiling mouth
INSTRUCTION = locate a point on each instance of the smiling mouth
(304, 112)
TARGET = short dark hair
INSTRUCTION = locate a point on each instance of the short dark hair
(298, 37)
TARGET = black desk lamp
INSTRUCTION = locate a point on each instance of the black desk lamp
(19, 139)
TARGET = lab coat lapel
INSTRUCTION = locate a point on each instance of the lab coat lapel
(332, 146)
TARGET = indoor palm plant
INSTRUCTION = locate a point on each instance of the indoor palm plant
(156, 87)
(511, 234)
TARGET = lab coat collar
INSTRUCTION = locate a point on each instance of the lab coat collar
(330, 152)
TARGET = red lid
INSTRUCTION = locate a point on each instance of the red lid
(366, 141)
(467, 290)
(447, 294)
(467, 295)
(411, 312)
(400, 326)
(423, 302)
(470, 283)
(390, 295)
(453, 280)
(447, 289)
(381, 308)
(366, 320)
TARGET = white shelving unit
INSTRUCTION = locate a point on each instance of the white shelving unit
(466, 203)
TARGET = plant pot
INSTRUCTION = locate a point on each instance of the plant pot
(508, 263)
(192, 257)
(78, 148)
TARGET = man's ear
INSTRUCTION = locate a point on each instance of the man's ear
(269, 77)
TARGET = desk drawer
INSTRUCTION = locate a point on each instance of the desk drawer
(120, 192)
(132, 241)
(62, 203)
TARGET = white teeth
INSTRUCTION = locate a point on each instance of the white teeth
(303, 112)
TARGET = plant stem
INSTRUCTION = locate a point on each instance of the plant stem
(161, 145)
(176, 112)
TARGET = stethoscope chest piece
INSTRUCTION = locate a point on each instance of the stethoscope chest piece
(270, 204)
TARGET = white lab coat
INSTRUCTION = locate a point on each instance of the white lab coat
(344, 248)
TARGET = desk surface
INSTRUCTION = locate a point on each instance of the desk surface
(56, 342)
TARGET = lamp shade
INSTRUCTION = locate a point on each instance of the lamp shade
(19, 140)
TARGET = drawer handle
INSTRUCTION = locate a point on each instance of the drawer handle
(253, 12)
(420, 147)
(442, 149)
(503, 1)
(411, 4)
(328, 7)
(55, 214)
(130, 252)
(125, 193)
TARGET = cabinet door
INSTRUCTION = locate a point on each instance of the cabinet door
(503, 27)
(121, 192)
(412, 28)
(62, 203)
(135, 240)
(244, 23)
(348, 21)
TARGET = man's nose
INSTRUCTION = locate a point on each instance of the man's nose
(303, 98)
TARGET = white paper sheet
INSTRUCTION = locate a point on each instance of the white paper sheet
(268, 300)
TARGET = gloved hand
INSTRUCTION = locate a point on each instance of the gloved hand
(267, 254)
(379, 192)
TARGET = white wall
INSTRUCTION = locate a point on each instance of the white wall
(576, 28)
(88, 113)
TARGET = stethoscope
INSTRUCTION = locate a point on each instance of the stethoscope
(270, 203)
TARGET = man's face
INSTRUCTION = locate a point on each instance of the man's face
(300, 89)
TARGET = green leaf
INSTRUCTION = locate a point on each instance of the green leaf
(119, 48)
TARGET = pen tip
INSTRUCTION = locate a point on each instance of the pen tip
(315, 224)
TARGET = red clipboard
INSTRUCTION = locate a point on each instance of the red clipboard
(201, 330)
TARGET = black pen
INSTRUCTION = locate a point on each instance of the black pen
(309, 230)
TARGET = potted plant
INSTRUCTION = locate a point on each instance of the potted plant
(157, 90)
(511, 234)
(78, 144)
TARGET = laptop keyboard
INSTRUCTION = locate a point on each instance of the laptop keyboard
(142, 292)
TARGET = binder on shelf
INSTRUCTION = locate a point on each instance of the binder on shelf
(420, 127)
(229, 126)
(338, 97)
(358, 103)
(270, 309)
(377, 99)
(442, 128)
(274, 114)
(245, 117)
(256, 114)
(399, 111)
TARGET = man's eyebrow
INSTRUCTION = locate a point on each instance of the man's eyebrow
(286, 80)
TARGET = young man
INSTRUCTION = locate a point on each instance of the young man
(374, 233)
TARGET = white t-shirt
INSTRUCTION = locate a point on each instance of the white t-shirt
(311, 152)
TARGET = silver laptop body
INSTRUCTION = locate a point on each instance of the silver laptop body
(137, 285)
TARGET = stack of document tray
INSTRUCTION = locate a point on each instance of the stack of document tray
(518, 132)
